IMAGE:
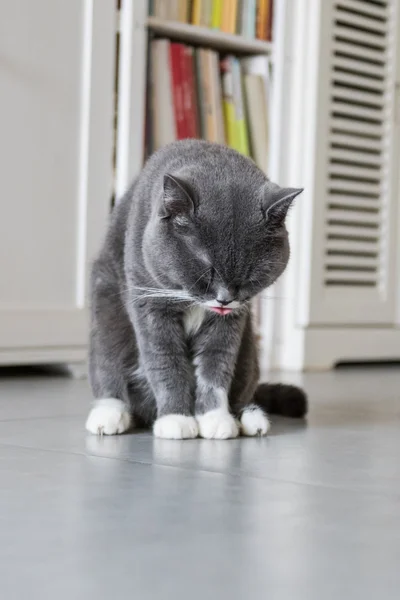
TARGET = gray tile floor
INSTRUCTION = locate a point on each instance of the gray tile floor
(311, 512)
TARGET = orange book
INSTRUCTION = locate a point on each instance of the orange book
(233, 15)
(226, 16)
(263, 10)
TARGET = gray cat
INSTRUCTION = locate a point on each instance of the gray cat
(197, 236)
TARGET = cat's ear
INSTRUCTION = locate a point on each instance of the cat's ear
(177, 199)
(277, 201)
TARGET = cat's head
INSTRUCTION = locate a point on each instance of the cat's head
(220, 238)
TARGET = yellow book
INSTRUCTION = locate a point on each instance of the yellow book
(242, 138)
(196, 12)
(216, 17)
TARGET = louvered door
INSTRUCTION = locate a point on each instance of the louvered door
(355, 187)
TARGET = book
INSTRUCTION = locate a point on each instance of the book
(216, 97)
(173, 10)
(270, 20)
(183, 11)
(225, 16)
(233, 16)
(163, 118)
(239, 17)
(242, 142)
(252, 18)
(196, 12)
(204, 86)
(258, 69)
(248, 18)
(176, 60)
(161, 9)
(206, 13)
(262, 24)
(259, 65)
(211, 99)
(257, 119)
(216, 16)
(201, 104)
(190, 108)
(228, 102)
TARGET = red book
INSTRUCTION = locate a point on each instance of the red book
(190, 94)
(176, 51)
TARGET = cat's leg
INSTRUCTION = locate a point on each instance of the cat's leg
(165, 364)
(251, 401)
(253, 419)
(110, 352)
(215, 349)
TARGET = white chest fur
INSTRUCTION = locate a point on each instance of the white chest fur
(193, 319)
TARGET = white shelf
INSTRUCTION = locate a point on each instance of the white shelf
(208, 37)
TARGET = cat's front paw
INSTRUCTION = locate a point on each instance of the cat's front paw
(217, 424)
(176, 427)
(109, 416)
(254, 421)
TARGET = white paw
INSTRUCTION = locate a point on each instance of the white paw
(254, 421)
(176, 427)
(217, 424)
(108, 416)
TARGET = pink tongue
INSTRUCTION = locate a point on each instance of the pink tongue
(221, 310)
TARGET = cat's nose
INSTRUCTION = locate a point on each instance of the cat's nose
(224, 302)
(225, 297)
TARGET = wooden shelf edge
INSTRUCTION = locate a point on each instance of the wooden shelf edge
(208, 37)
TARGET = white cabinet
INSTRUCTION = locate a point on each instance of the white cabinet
(339, 300)
(56, 121)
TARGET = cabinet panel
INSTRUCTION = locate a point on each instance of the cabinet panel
(56, 119)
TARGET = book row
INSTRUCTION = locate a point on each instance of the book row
(250, 18)
(195, 92)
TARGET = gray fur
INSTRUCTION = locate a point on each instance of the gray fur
(199, 222)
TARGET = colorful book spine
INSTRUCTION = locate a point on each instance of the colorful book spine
(183, 11)
(216, 16)
(196, 12)
(201, 112)
(250, 31)
(206, 13)
(216, 95)
(270, 20)
(161, 9)
(164, 126)
(225, 17)
(242, 140)
(233, 16)
(176, 53)
(263, 9)
(190, 110)
(228, 102)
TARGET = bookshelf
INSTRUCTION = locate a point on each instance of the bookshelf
(136, 29)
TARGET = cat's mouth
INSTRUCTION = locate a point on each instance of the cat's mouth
(221, 310)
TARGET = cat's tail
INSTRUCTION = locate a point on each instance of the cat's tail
(281, 399)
